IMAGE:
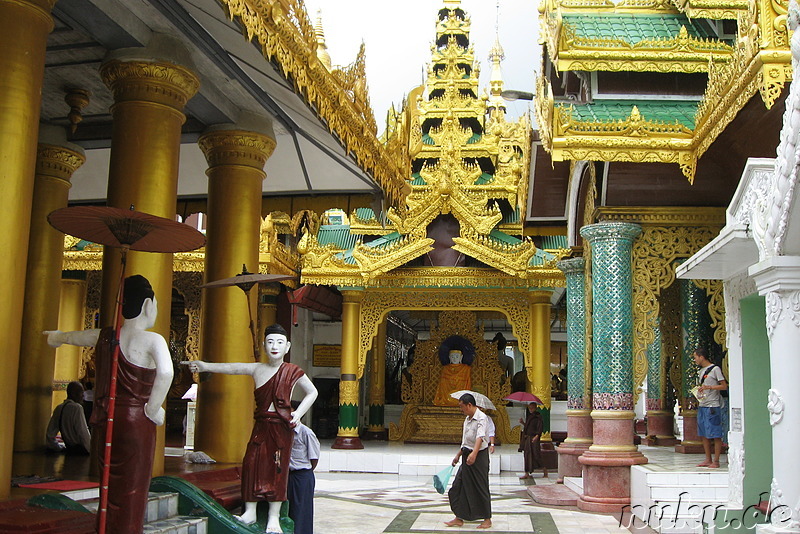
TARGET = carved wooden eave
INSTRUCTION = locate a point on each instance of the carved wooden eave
(678, 53)
(286, 35)
(712, 9)
(682, 53)
(760, 62)
(444, 277)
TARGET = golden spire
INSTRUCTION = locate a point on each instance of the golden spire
(322, 49)
(496, 55)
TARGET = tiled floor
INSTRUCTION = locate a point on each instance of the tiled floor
(385, 503)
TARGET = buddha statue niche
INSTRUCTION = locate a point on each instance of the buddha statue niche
(455, 376)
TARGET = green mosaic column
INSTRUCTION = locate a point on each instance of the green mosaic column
(694, 325)
(606, 465)
(660, 418)
(579, 420)
(347, 436)
(612, 320)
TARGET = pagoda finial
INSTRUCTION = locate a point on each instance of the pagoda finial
(322, 48)
(450, 4)
(496, 55)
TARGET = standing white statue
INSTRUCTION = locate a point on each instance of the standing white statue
(265, 468)
(144, 375)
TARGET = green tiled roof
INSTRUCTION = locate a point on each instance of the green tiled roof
(365, 214)
(484, 178)
(651, 110)
(635, 28)
(503, 237)
(338, 234)
(380, 242)
(540, 257)
(552, 242)
(417, 179)
(511, 218)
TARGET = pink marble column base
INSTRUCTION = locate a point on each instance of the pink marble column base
(607, 463)
(347, 443)
(579, 438)
(691, 443)
(660, 428)
(607, 480)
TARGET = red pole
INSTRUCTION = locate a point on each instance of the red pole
(102, 511)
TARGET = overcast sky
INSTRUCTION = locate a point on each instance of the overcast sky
(398, 36)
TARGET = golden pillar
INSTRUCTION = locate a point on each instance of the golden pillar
(235, 172)
(376, 427)
(347, 436)
(24, 26)
(71, 311)
(55, 164)
(149, 97)
(539, 371)
(267, 310)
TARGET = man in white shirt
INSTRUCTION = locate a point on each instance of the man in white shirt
(305, 455)
(69, 420)
(469, 495)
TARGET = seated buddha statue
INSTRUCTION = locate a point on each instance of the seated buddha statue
(455, 376)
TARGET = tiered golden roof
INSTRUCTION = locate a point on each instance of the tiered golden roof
(667, 37)
(466, 160)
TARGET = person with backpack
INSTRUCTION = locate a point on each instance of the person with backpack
(711, 382)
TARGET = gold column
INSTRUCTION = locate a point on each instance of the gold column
(71, 310)
(54, 167)
(347, 436)
(267, 310)
(24, 26)
(149, 96)
(539, 372)
(236, 161)
(377, 386)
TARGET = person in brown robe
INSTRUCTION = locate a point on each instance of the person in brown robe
(265, 468)
(144, 374)
(530, 441)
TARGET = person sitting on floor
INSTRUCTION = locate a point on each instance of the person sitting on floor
(68, 420)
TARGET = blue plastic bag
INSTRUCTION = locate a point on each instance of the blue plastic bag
(441, 478)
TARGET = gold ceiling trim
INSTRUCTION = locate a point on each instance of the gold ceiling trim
(286, 35)
(663, 216)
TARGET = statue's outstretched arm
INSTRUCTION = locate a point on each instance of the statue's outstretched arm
(235, 368)
(80, 338)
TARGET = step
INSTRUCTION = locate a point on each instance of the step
(575, 484)
(159, 506)
(178, 525)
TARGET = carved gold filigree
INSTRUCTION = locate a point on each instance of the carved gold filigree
(151, 81)
(716, 309)
(418, 395)
(286, 35)
(654, 254)
(188, 285)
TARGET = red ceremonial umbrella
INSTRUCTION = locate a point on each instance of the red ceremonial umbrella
(523, 397)
(129, 230)
(245, 281)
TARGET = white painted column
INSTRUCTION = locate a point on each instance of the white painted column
(778, 279)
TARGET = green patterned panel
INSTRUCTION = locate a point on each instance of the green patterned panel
(655, 367)
(576, 332)
(612, 320)
(348, 416)
(695, 321)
